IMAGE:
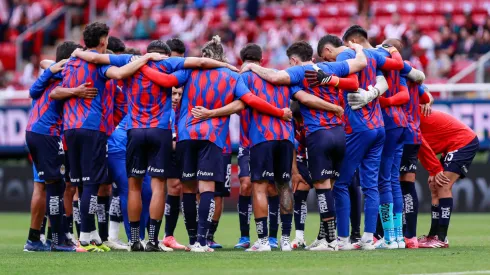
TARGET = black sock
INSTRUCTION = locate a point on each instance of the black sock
(321, 231)
(244, 214)
(49, 236)
(446, 207)
(212, 230)
(205, 214)
(355, 212)
(326, 207)
(76, 216)
(69, 224)
(261, 227)
(171, 214)
(154, 230)
(189, 211)
(286, 224)
(135, 231)
(34, 235)
(300, 209)
(273, 216)
(410, 209)
(434, 224)
(88, 207)
(380, 233)
(43, 225)
(115, 213)
(103, 216)
(54, 195)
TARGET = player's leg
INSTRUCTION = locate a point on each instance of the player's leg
(103, 204)
(408, 168)
(368, 173)
(283, 161)
(356, 208)
(136, 166)
(273, 200)
(38, 210)
(397, 196)
(262, 173)
(93, 148)
(300, 205)
(77, 220)
(244, 198)
(385, 191)
(222, 190)
(187, 160)
(70, 191)
(174, 192)
(210, 169)
(146, 195)
(159, 161)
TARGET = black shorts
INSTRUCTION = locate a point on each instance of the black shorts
(409, 158)
(303, 171)
(67, 168)
(223, 188)
(200, 160)
(47, 154)
(326, 150)
(87, 155)
(243, 162)
(174, 171)
(272, 161)
(459, 161)
(149, 150)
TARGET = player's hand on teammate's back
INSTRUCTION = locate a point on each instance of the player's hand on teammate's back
(200, 112)
(339, 112)
(288, 115)
(297, 179)
(77, 50)
(426, 109)
(156, 56)
(246, 68)
(362, 97)
(441, 179)
(58, 67)
(356, 47)
(233, 68)
(85, 91)
(317, 77)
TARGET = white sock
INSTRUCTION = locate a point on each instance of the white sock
(113, 230)
(343, 239)
(85, 237)
(366, 237)
(300, 234)
(94, 235)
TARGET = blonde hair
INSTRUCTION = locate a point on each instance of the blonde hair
(214, 49)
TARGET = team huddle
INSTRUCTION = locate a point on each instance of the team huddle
(130, 138)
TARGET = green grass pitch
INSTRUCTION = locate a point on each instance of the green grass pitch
(469, 251)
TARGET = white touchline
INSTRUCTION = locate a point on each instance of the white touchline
(455, 273)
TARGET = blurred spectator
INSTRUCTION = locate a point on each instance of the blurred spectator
(469, 24)
(481, 46)
(439, 67)
(31, 72)
(396, 28)
(146, 26)
(26, 13)
(449, 23)
(4, 19)
(180, 21)
(314, 30)
(199, 26)
(465, 43)
(372, 29)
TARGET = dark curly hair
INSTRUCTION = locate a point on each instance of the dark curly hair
(301, 49)
(65, 49)
(116, 45)
(93, 33)
(158, 46)
(176, 45)
(251, 52)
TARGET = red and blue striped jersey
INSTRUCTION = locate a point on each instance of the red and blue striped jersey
(211, 89)
(413, 135)
(300, 137)
(227, 147)
(244, 128)
(150, 104)
(368, 117)
(393, 116)
(315, 119)
(264, 127)
(80, 112)
(115, 101)
(45, 115)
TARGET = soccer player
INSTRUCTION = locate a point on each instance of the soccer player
(85, 128)
(458, 144)
(177, 47)
(301, 179)
(365, 137)
(324, 133)
(45, 145)
(390, 196)
(200, 142)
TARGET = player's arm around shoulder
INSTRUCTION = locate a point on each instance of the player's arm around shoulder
(269, 75)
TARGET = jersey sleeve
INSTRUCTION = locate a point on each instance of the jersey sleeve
(102, 69)
(340, 69)
(240, 89)
(345, 55)
(380, 60)
(177, 63)
(406, 69)
(422, 89)
(428, 159)
(403, 82)
(182, 76)
(120, 60)
(296, 74)
(37, 89)
(294, 89)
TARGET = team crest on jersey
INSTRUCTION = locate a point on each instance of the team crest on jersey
(62, 169)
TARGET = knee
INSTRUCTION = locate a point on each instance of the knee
(245, 187)
(271, 190)
(104, 190)
(174, 187)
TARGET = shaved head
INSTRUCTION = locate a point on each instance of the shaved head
(397, 43)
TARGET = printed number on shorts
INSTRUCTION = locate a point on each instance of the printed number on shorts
(450, 155)
(228, 176)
